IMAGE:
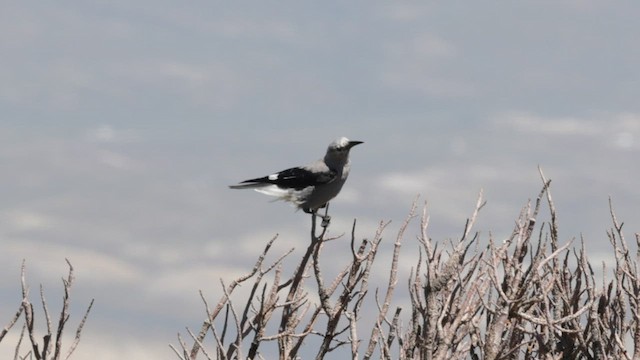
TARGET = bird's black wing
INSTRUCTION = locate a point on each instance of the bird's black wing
(295, 178)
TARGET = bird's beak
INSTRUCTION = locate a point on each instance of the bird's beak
(354, 143)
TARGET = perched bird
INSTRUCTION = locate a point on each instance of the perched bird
(312, 186)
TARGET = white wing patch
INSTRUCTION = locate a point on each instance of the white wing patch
(296, 197)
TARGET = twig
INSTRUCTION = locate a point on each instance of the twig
(12, 322)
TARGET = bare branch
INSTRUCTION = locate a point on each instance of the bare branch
(12, 322)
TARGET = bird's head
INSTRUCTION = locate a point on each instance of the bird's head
(340, 147)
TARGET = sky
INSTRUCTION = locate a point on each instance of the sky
(123, 123)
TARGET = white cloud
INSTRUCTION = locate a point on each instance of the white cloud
(98, 345)
(108, 134)
(103, 348)
(439, 177)
(428, 45)
(183, 283)
(25, 220)
(116, 160)
(60, 84)
(407, 183)
(189, 74)
(619, 131)
(417, 63)
(216, 84)
(625, 140)
(626, 127)
(257, 28)
(531, 123)
(94, 266)
(404, 11)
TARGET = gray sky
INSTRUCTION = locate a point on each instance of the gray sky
(123, 123)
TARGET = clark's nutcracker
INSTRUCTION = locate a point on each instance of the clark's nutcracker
(312, 186)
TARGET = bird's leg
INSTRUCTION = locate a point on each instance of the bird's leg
(325, 218)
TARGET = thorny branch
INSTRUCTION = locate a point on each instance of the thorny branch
(49, 350)
(532, 295)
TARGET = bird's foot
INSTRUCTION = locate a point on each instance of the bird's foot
(325, 220)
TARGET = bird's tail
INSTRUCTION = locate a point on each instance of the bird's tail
(248, 186)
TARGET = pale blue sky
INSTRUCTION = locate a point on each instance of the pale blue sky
(123, 123)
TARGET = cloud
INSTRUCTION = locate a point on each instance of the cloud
(41, 257)
(626, 127)
(420, 63)
(530, 123)
(619, 131)
(25, 220)
(403, 11)
(257, 28)
(147, 221)
(421, 48)
(108, 134)
(98, 345)
(407, 183)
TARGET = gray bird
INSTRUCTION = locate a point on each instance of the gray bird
(312, 186)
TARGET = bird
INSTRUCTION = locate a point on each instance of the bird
(312, 186)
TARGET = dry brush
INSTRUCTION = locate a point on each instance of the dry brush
(530, 296)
